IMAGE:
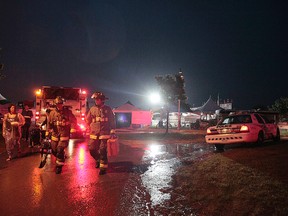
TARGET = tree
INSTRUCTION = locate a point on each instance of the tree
(172, 90)
(281, 106)
(180, 87)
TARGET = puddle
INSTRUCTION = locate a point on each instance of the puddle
(150, 192)
(158, 178)
(164, 161)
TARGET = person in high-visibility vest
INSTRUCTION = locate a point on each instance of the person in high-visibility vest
(60, 121)
(101, 121)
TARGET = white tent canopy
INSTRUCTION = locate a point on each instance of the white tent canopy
(2, 97)
(3, 100)
(4, 103)
(208, 106)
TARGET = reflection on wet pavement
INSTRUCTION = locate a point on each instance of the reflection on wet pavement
(162, 161)
(138, 181)
(37, 188)
(157, 178)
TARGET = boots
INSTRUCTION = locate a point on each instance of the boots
(102, 172)
(103, 167)
(58, 169)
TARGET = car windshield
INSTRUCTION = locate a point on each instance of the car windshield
(236, 119)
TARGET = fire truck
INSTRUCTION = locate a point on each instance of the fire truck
(75, 100)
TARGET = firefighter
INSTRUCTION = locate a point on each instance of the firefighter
(60, 121)
(101, 121)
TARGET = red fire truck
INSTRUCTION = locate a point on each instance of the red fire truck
(75, 99)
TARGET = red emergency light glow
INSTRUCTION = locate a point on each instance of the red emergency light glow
(82, 127)
(37, 115)
(82, 116)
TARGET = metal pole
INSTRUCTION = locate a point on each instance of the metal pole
(179, 115)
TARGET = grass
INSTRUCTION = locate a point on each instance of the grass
(220, 186)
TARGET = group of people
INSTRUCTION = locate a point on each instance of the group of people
(60, 121)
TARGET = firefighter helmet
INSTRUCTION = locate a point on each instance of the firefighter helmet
(99, 95)
(58, 100)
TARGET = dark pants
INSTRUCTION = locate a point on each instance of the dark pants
(58, 150)
(98, 150)
(25, 131)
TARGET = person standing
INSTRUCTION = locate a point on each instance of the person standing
(59, 123)
(101, 120)
(11, 130)
(28, 114)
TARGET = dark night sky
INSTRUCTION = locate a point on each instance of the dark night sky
(237, 49)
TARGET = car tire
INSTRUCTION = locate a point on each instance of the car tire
(219, 147)
(260, 139)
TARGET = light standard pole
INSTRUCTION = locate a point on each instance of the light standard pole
(179, 115)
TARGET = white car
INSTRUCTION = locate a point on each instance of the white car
(249, 127)
(283, 127)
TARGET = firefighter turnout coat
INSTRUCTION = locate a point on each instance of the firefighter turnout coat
(60, 122)
(101, 121)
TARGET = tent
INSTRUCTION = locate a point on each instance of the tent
(3, 100)
(207, 110)
(130, 116)
(4, 104)
(184, 107)
(208, 107)
(187, 116)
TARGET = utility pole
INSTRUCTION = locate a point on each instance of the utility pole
(180, 75)
(179, 115)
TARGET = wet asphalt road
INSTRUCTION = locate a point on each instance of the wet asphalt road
(136, 182)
